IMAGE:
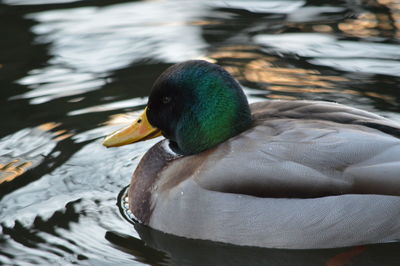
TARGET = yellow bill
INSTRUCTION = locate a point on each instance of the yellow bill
(139, 130)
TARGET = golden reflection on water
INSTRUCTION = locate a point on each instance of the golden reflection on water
(204, 23)
(322, 28)
(15, 167)
(12, 169)
(48, 126)
(375, 24)
(281, 97)
(382, 20)
(281, 79)
(265, 71)
(59, 135)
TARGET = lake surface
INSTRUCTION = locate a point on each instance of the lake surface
(73, 71)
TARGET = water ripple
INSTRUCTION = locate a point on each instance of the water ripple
(71, 70)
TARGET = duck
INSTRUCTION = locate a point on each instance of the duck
(275, 174)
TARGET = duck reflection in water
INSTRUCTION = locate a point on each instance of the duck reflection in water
(158, 248)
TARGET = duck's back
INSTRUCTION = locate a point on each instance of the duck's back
(325, 111)
(308, 149)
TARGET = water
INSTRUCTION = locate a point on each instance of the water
(70, 70)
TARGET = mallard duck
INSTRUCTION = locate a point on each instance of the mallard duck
(281, 174)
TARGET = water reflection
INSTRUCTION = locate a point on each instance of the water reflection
(12, 169)
(165, 249)
(70, 70)
(380, 19)
(28, 148)
(85, 45)
(297, 79)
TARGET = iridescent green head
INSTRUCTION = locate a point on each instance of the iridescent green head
(197, 105)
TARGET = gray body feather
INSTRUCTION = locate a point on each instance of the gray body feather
(306, 175)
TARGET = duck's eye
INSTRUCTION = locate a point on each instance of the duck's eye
(166, 99)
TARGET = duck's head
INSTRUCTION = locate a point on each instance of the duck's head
(195, 104)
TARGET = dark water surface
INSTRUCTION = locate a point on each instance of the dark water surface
(70, 70)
